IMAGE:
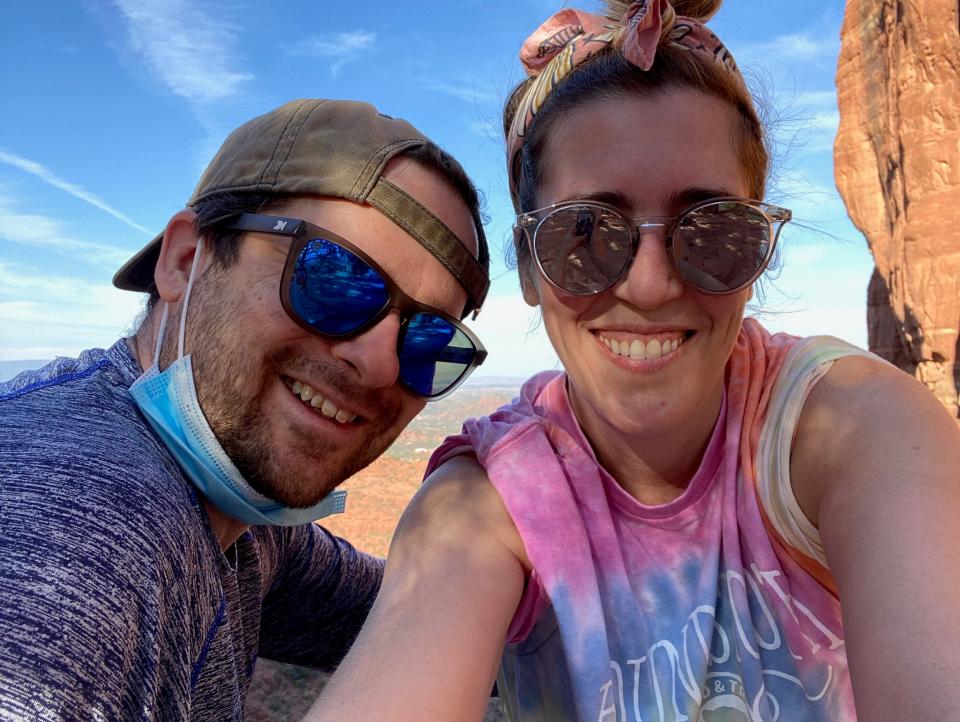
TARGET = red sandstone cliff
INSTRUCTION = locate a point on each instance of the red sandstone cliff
(897, 165)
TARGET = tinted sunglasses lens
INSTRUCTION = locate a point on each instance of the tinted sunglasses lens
(333, 290)
(721, 247)
(434, 354)
(582, 249)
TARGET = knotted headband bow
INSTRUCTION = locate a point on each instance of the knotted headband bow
(570, 37)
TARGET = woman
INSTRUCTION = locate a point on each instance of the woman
(696, 520)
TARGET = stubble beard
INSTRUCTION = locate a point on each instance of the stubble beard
(233, 387)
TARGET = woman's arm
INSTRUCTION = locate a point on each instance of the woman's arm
(431, 646)
(876, 466)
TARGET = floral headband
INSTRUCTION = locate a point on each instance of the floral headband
(570, 37)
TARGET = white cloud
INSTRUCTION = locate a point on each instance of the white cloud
(810, 199)
(817, 98)
(846, 322)
(811, 47)
(514, 335)
(190, 51)
(467, 91)
(823, 131)
(341, 47)
(31, 229)
(826, 122)
(47, 176)
(804, 46)
(809, 254)
(334, 46)
(51, 316)
(808, 121)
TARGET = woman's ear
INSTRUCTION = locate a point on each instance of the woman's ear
(177, 251)
(531, 294)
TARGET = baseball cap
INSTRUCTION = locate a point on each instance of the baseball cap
(336, 148)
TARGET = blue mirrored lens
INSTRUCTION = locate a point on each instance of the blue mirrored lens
(434, 354)
(333, 290)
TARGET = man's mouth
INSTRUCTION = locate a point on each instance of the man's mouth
(648, 347)
(318, 403)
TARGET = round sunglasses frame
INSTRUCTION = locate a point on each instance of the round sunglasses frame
(775, 216)
(301, 233)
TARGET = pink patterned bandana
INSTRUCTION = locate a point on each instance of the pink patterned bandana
(570, 37)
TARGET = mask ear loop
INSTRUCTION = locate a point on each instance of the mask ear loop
(163, 325)
(186, 297)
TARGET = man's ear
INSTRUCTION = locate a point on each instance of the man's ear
(177, 252)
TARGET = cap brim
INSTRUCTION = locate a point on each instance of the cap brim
(137, 273)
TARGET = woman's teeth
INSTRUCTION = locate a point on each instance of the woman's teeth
(636, 348)
(325, 406)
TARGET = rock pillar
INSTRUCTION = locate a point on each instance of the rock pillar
(897, 166)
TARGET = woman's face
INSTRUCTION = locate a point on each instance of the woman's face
(649, 156)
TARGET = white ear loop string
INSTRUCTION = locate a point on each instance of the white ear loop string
(183, 312)
(163, 325)
(186, 296)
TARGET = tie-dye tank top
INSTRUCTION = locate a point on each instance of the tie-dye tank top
(715, 607)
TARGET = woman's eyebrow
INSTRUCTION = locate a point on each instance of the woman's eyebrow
(611, 198)
(676, 201)
(694, 194)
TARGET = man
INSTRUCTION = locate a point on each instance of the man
(156, 496)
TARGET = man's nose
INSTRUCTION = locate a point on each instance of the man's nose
(373, 354)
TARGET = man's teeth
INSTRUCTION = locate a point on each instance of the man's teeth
(325, 406)
(638, 349)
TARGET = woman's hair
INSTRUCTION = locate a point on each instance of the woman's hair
(609, 75)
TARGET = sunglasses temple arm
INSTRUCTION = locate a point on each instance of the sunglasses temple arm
(278, 225)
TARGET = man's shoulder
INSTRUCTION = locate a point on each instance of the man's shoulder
(74, 445)
(70, 400)
(69, 391)
(99, 522)
(61, 371)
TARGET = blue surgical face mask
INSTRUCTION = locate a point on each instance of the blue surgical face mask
(168, 400)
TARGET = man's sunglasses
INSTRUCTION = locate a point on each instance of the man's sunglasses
(718, 246)
(334, 290)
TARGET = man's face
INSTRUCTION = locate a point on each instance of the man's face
(249, 356)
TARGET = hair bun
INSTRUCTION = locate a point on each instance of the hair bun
(701, 10)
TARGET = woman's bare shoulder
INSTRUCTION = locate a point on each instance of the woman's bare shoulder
(863, 412)
(457, 498)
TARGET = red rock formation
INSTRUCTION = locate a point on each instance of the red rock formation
(897, 165)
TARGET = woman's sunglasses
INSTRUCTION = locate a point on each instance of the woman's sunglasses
(718, 246)
(333, 289)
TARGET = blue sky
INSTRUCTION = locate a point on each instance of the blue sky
(110, 111)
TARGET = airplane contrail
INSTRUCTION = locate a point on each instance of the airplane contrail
(47, 176)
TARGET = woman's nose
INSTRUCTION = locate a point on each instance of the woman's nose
(651, 280)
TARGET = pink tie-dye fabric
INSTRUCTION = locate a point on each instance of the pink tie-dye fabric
(684, 611)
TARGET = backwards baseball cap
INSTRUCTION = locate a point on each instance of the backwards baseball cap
(336, 148)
